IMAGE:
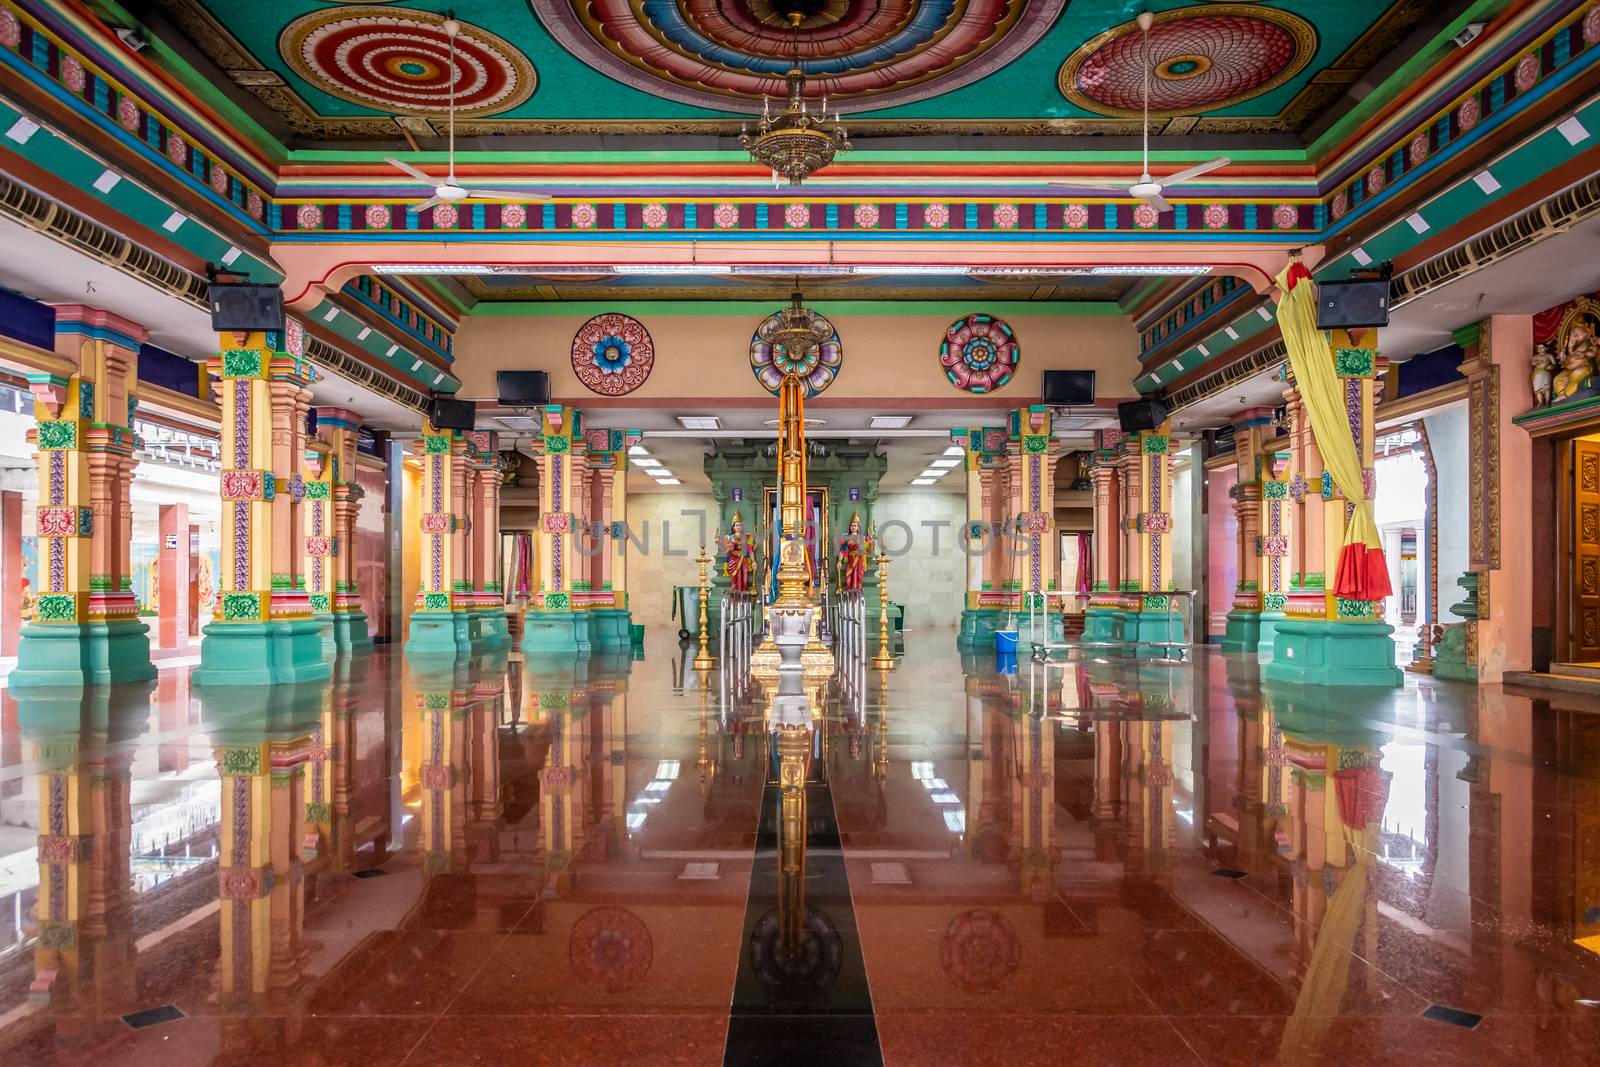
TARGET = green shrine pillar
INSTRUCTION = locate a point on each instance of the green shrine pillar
(443, 623)
(556, 624)
(1260, 497)
(989, 603)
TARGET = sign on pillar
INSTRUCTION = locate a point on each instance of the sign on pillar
(554, 625)
(264, 633)
(86, 627)
(441, 625)
(988, 605)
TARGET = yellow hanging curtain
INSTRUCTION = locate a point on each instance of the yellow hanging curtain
(1362, 573)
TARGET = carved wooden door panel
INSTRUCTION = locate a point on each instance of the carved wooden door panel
(1585, 637)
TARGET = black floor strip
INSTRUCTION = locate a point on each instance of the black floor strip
(811, 1006)
(151, 1016)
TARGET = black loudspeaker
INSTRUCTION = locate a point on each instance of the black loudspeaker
(448, 414)
(1137, 415)
(1069, 388)
(1353, 304)
(245, 308)
(522, 388)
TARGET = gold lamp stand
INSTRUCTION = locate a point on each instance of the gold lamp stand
(883, 661)
(704, 662)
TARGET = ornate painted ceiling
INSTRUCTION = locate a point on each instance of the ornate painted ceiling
(347, 71)
(777, 288)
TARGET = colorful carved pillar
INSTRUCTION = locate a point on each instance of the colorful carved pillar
(1099, 623)
(1307, 580)
(1326, 639)
(1243, 633)
(561, 706)
(443, 700)
(553, 625)
(483, 468)
(1148, 612)
(1033, 504)
(264, 633)
(988, 605)
(611, 625)
(441, 625)
(86, 627)
(332, 502)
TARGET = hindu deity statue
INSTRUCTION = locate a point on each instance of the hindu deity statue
(853, 552)
(1543, 373)
(739, 557)
(1580, 353)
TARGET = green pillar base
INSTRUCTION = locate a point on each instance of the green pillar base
(1316, 652)
(612, 629)
(1144, 626)
(1100, 624)
(555, 633)
(493, 631)
(350, 632)
(977, 627)
(1243, 633)
(262, 653)
(1052, 630)
(330, 645)
(70, 655)
(1269, 632)
(439, 634)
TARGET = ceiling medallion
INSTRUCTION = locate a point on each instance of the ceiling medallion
(1203, 58)
(794, 144)
(799, 341)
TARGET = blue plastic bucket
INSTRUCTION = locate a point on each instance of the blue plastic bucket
(1005, 642)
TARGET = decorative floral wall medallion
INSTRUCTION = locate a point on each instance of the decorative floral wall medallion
(612, 354)
(770, 360)
(979, 353)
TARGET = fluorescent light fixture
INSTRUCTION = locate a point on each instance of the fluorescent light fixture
(670, 268)
(416, 366)
(518, 422)
(667, 768)
(366, 332)
(638, 450)
(1233, 335)
(945, 463)
(643, 461)
(636, 820)
(1028, 272)
(934, 472)
(657, 786)
(921, 770)
(955, 450)
(392, 350)
(955, 821)
(935, 783)
(1417, 222)
(1573, 130)
(668, 481)
(700, 422)
(945, 798)
(22, 129)
(435, 268)
(924, 481)
(437, 378)
(107, 181)
(660, 474)
(174, 220)
(1266, 316)
(332, 314)
(1361, 257)
(936, 269)
(792, 270)
(1177, 364)
(889, 422)
(230, 255)
(1124, 269)
(1203, 350)
(1486, 182)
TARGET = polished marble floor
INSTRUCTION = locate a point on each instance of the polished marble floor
(509, 862)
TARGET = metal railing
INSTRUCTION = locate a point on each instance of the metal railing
(1039, 616)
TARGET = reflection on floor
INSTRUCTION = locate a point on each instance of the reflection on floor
(588, 863)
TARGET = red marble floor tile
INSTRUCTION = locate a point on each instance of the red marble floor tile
(411, 972)
(1404, 1040)
(566, 1041)
(1026, 1040)
(235, 1041)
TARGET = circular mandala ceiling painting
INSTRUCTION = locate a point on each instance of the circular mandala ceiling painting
(612, 354)
(979, 353)
(1201, 59)
(391, 59)
(711, 53)
(770, 360)
(610, 949)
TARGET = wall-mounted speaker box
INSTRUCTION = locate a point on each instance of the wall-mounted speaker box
(522, 388)
(1069, 388)
(448, 414)
(245, 308)
(1138, 415)
(1352, 305)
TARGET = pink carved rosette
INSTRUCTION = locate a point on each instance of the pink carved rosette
(979, 353)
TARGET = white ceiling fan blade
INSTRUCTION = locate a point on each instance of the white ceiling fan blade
(1158, 202)
(1094, 189)
(501, 194)
(1197, 170)
(425, 205)
(426, 179)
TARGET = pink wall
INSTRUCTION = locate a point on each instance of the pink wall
(1222, 547)
(1505, 639)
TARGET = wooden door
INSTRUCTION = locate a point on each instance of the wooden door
(1584, 636)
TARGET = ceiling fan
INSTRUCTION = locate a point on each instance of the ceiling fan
(1147, 188)
(450, 191)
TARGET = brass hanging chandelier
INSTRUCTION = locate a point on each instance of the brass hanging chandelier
(796, 333)
(794, 144)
